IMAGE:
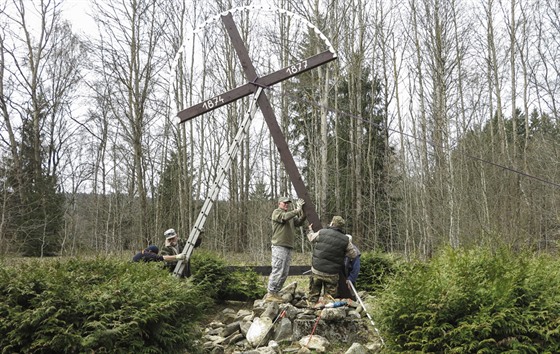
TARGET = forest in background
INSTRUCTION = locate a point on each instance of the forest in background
(437, 125)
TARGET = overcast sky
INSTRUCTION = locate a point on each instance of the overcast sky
(77, 12)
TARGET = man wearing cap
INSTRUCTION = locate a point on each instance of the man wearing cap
(150, 254)
(330, 246)
(284, 225)
(174, 246)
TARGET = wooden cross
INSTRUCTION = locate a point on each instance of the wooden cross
(250, 87)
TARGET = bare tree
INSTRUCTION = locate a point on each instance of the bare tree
(131, 63)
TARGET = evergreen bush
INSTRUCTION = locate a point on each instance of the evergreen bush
(210, 271)
(375, 270)
(473, 302)
(100, 306)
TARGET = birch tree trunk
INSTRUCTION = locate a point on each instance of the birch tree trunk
(426, 239)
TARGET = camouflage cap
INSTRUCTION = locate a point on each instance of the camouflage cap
(337, 221)
(284, 200)
(169, 233)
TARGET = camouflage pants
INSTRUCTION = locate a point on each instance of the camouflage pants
(281, 259)
(318, 283)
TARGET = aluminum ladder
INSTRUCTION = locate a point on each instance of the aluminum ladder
(221, 175)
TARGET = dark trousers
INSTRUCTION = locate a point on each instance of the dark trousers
(344, 291)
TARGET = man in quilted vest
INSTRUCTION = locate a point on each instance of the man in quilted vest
(330, 246)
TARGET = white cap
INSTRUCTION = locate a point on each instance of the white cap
(169, 234)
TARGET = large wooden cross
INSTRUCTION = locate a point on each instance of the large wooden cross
(250, 87)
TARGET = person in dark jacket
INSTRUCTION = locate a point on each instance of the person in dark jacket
(150, 254)
(330, 246)
(349, 274)
(352, 265)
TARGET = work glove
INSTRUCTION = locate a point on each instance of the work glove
(299, 203)
(180, 257)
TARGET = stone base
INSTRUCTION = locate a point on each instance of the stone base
(345, 331)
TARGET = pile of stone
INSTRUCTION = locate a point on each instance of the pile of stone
(293, 326)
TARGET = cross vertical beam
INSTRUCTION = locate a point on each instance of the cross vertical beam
(270, 118)
(252, 86)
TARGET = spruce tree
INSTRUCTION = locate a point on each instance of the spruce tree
(36, 207)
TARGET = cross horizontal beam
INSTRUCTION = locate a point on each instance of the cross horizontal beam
(251, 87)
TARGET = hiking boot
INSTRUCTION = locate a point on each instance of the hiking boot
(273, 297)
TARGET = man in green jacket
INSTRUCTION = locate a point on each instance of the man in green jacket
(330, 246)
(175, 246)
(284, 225)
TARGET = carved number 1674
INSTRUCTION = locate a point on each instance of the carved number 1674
(213, 102)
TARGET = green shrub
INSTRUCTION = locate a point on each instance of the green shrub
(99, 306)
(473, 302)
(210, 271)
(375, 270)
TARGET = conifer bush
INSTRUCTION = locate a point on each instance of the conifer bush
(100, 306)
(211, 272)
(473, 302)
(375, 270)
